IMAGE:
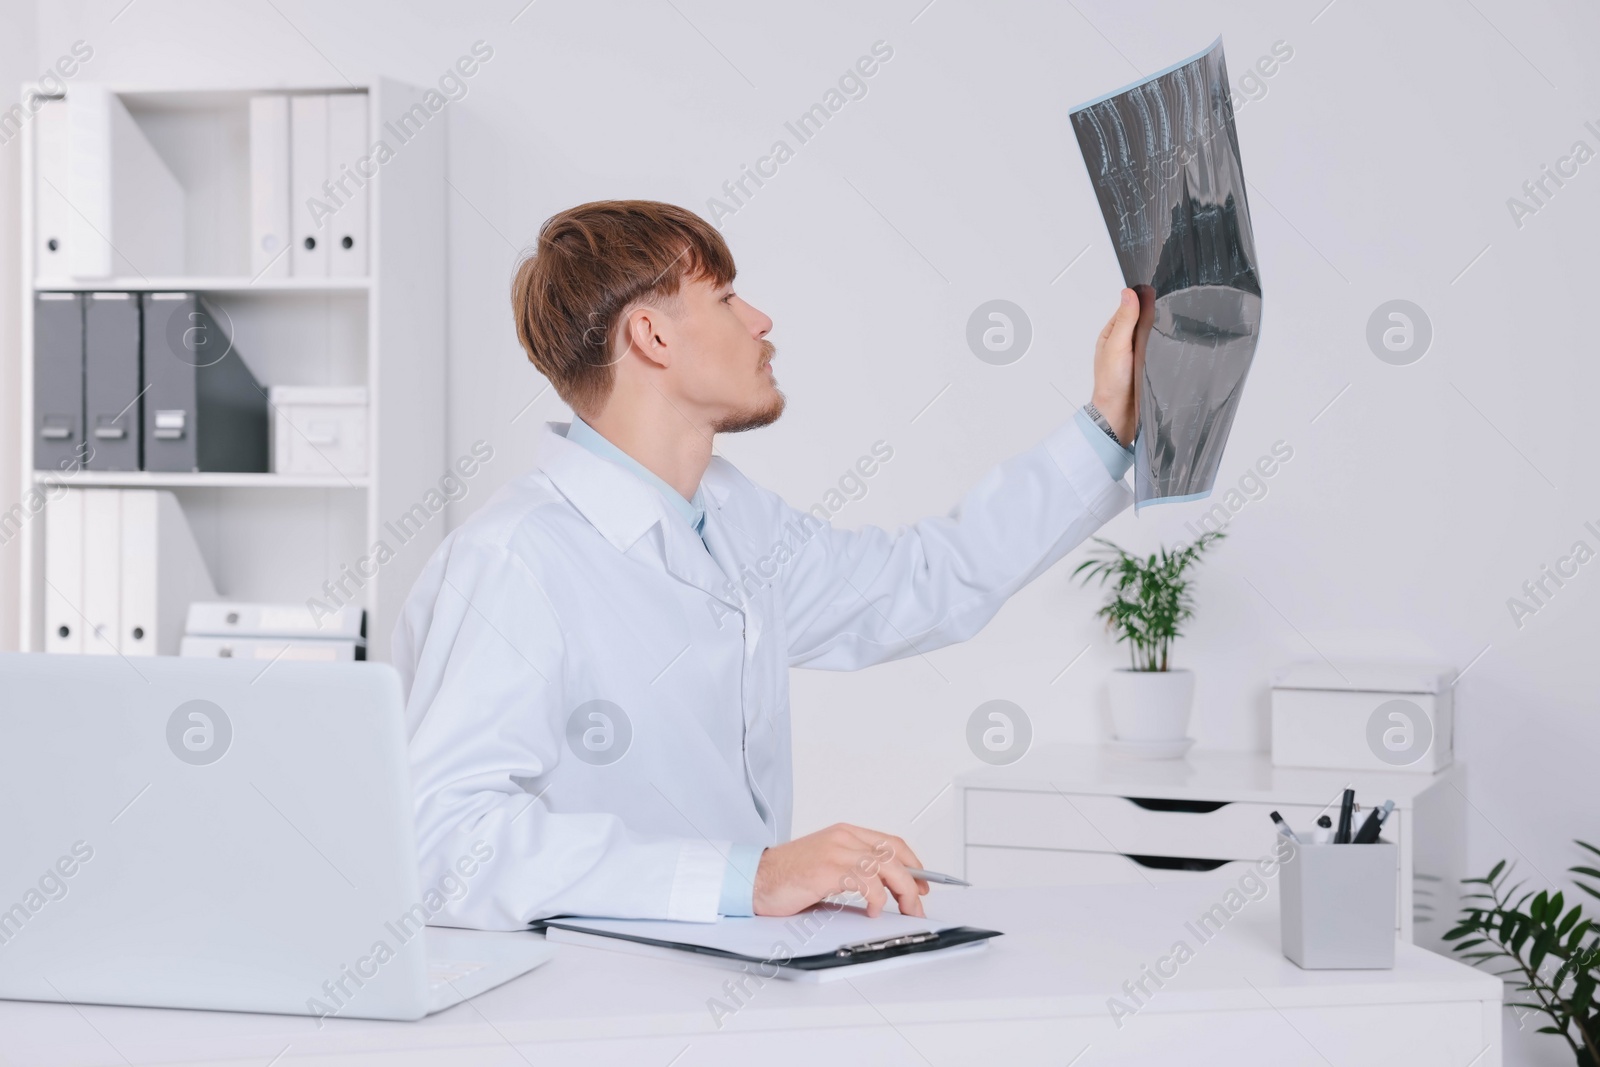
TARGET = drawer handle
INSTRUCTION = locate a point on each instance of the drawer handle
(1193, 807)
(1176, 863)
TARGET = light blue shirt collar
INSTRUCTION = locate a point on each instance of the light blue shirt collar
(693, 511)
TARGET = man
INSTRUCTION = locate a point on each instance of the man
(597, 686)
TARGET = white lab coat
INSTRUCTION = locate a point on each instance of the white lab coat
(576, 583)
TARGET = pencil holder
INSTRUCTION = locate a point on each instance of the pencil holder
(1338, 905)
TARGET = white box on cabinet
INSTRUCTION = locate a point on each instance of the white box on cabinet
(1367, 717)
(319, 430)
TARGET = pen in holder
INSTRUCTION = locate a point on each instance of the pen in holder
(1338, 905)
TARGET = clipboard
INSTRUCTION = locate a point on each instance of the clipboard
(810, 947)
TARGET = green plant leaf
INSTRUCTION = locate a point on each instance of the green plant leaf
(1149, 598)
(1582, 994)
(1494, 872)
(1541, 948)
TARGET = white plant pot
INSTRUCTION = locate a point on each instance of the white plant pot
(1151, 705)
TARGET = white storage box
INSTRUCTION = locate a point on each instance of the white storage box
(232, 618)
(273, 648)
(319, 430)
(1368, 717)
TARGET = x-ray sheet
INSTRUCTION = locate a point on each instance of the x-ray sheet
(1164, 160)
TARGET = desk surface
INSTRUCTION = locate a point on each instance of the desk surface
(1067, 951)
(1208, 774)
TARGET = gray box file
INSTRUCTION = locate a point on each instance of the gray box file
(204, 410)
(111, 381)
(57, 381)
(1338, 907)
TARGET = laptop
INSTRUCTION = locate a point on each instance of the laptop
(218, 834)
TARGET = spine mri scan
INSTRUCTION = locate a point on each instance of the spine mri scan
(1163, 157)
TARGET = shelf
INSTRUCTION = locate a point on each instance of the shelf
(268, 537)
(197, 480)
(204, 285)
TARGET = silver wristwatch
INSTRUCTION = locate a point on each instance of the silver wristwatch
(1100, 420)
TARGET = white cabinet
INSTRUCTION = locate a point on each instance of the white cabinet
(1077, 814)
(310, 535)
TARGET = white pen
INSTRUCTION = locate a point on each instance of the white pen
(935, 876)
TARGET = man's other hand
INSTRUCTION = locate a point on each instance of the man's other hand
(840, 859)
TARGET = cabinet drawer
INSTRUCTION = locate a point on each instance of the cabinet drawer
(1026, 868)
(1011, 868)
(1029, 820)
(1095, 823)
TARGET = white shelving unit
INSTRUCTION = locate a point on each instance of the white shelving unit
(272, 537)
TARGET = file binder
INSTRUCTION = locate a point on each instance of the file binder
(347, 140)
(63, 573)
(57, 381)
(52, 216)
(102, 570)
(163, 572)
(233, 619)
(269, 187)
(127, 560)
(111, 386)
(817, 945)
(127, 210)
(203, 409)
(308, 165)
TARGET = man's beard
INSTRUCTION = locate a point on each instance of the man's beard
(755, 418)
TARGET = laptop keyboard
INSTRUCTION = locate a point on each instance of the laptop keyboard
(442, 972)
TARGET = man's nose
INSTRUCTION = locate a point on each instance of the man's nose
(760, 324)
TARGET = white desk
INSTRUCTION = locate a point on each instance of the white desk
(1037, 995)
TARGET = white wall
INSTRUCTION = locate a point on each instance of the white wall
(1381, 159)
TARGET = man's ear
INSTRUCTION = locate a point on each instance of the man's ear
(647, 330)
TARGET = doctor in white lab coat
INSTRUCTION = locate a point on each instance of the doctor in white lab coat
(596, 662)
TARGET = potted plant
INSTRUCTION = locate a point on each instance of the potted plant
(1552, 953)
(1148, 604)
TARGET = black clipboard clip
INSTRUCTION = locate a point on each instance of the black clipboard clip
(888, 942)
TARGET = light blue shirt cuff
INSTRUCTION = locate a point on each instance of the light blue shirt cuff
(739, 880)
(1117, 460)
